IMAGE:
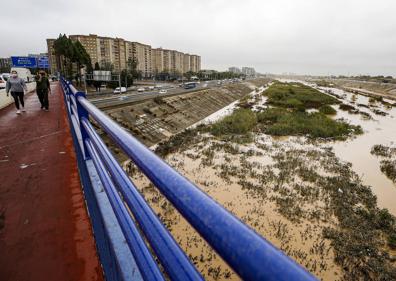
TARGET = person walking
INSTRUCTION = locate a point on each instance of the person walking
(42, 89)
(17, 87)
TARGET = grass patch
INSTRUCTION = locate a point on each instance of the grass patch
(282, 122)
(241, 122)
(297, 96)
(327, 109)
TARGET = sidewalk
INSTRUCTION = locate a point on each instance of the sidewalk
(45, 233)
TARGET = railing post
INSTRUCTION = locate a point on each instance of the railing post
(82, 113)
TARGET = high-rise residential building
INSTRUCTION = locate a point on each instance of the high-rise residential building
(157, 60)
(53, 66)
(248, 71)
(90, 44)
(177, 59)
(142, 54)
(234, 69)
(116, 52)
(195, 63)
(5, 63)
(186, 63)
(167, 60)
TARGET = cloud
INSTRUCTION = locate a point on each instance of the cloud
(300, 36)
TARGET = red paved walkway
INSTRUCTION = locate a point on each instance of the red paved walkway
(45, 233)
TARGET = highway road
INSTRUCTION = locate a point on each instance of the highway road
(118, 100)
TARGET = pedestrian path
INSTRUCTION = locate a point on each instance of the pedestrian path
(45, 232)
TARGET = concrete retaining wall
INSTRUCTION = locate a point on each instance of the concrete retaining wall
(4, 100)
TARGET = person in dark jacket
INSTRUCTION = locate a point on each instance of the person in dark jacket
(17, 87)
(42, 89)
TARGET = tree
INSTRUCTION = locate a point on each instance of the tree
(68, 53)
(132, 64)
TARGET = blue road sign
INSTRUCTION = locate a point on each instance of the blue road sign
(29, 62)
(42, 62)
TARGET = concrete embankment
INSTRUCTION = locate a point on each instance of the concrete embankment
(154, 120)
(387, 90)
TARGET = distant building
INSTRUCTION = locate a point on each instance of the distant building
(53, 65)
(141, 53)
(234, 69)
(117, 52)
(248, 71)
(5, 64)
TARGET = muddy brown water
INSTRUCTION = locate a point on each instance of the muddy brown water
(379, 130)
(262, 214)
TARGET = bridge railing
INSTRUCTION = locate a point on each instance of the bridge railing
(251, 256)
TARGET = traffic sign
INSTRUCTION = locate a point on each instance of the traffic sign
(28, 62)
(42, 62)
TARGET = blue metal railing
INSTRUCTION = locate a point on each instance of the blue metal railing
(251, 256)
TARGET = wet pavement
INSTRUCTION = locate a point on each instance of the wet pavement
(45, 232)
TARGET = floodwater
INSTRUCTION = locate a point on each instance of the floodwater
(297, 240)
(379, 130)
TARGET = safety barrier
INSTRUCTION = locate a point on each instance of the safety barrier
(251, 256)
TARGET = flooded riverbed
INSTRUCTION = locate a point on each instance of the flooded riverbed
(379, 130)
(306, 197)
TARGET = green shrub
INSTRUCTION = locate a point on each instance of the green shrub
(281, 122)
(392, 240)
(271, 115)
(241, 121)
(327, 109)
(297, 95)
(385, 220)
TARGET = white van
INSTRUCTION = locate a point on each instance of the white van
(23, 73)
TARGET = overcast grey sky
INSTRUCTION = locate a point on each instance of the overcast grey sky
(300, 36)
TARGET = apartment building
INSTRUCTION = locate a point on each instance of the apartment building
(51, 56)
(157, 60)
(142, 54)
(248, 71)
(116, 52)
(234, 69)
(195, 63)
(177, 62)
(5, 62)
(90, 44)
(186, 63)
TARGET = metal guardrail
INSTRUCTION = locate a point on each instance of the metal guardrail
(251, 256)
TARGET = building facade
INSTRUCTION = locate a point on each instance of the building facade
(114, 53)
(248, 71)
(53, 66)
(5, 63)
(234, 69)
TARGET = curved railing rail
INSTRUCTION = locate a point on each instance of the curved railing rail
(251, 256)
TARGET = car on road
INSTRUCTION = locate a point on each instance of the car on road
(3, 80)
(2, 83)
(117, 90)
(163, 91)
(189, 85)
(140, 90)
(151, 87)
